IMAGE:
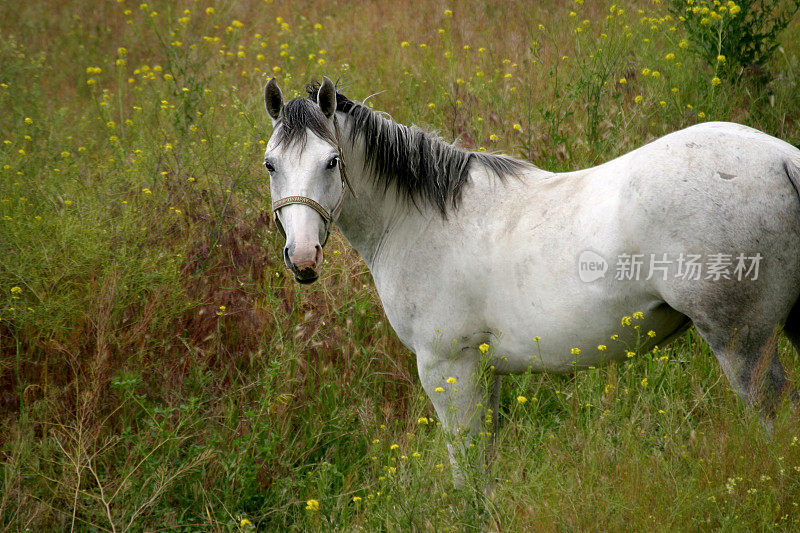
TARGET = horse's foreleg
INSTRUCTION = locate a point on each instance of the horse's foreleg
(458, 389)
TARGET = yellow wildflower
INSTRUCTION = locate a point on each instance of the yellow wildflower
(312, 505)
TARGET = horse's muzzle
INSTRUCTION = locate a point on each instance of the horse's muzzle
(304, 260)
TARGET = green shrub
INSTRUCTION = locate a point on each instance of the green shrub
(731, 36)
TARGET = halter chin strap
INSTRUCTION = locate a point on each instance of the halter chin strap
(330, 218)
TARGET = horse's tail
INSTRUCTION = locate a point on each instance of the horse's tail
(792, 326)
(792, 167)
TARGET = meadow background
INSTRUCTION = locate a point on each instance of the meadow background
(160, 371)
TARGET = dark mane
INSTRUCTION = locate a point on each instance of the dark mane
(421, 165)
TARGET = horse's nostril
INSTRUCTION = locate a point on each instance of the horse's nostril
(286, 259)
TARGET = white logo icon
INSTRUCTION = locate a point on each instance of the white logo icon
(591, 266)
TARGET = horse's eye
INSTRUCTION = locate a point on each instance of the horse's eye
(269, 166)
(332, 163)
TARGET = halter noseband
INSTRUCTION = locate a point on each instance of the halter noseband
(330, 218)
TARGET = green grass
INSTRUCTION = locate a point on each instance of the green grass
(160, 370)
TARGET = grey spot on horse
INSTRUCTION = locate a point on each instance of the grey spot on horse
(692, 145)
(725, 175)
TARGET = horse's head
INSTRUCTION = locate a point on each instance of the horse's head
(306, 176)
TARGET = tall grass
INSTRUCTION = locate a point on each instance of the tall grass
(159, 369)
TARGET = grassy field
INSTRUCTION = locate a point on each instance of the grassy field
(159, 370)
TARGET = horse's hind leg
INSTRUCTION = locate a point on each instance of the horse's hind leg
(749, 359)
(792, 331)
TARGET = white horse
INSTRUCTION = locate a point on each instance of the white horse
(485, 261)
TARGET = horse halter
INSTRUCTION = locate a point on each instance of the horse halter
(331, 217)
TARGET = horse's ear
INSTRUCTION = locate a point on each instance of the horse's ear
(273, 99)
(326, 97)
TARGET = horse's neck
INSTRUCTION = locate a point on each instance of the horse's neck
(368, 216)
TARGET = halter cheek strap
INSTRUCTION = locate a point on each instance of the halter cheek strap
(329, 218)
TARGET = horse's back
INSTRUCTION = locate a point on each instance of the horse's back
(730, 181)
